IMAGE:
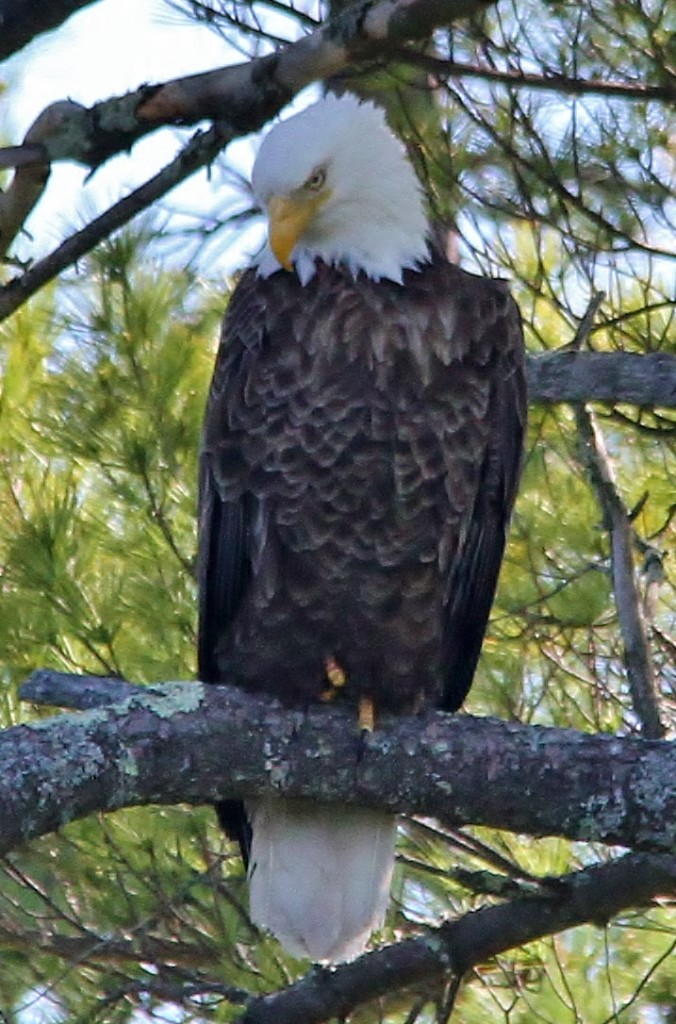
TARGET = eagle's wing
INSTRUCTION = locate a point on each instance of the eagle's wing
(224, 519)
(224, 567)
(443, 361)
(224, 524)
(472, 573)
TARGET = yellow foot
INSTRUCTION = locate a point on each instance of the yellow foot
(367, 714)
(336, 677)
(334, 673)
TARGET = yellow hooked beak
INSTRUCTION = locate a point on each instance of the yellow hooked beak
(288, 218)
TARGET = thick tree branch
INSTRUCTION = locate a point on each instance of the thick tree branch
(569, 376)
(291, 748)
(185, 742)
(590, 896)
(239, 99)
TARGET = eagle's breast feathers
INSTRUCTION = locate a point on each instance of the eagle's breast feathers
(361, 423)
(359, 464)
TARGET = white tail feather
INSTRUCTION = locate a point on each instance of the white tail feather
(320, 875)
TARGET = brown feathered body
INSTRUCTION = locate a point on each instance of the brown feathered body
(360, 459)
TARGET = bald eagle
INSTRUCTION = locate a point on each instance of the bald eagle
(359, 463)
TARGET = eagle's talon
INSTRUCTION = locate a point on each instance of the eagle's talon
(277, 567)
(335, 674)
(367, 714)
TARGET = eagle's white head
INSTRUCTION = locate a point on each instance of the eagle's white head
(337, 186)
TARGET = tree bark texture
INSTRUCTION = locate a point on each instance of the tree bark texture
(186, 742)
(569, 376)
(194, 743)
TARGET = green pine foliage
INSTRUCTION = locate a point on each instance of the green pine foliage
(103, 391)
(99, 467)
(141, 915)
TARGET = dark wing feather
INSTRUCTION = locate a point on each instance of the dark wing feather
(225, 567)
(224, 564)
(224, 543)
(473, 572)
(223, 576)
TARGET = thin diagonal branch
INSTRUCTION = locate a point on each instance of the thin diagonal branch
(637, 655)
(549, 82)
(199, 152)
(593, 895)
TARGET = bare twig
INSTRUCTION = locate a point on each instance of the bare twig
(200, 151)
(540, 164)
(549, 81)
(587, 322)
(637, 656)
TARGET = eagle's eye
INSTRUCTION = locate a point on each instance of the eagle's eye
(316, 180)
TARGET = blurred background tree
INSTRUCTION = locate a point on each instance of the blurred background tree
(544, 134)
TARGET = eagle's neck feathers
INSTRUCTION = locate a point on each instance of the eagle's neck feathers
(370, 214)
